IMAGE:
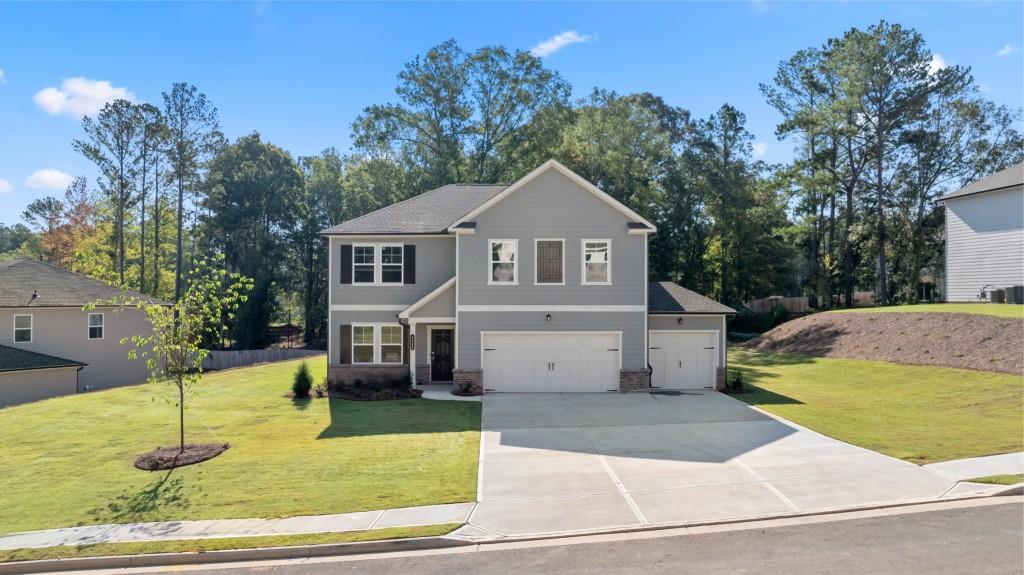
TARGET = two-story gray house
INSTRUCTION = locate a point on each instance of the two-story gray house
(537, 286)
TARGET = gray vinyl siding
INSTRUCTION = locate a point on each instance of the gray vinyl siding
(691, 322)
(552, 206)
(631, 324)
(340, 318)
(35, 384)
(64, 332)
(435, 264)
(984, 243)
(441, 306)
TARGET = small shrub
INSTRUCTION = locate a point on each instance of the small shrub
(303, 382)
(737, 381)
(321, 390)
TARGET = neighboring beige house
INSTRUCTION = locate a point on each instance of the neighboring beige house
(985, 236)
(50, 346)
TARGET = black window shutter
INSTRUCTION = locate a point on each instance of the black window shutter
(409, 263)
(346, 263)
(345, 357)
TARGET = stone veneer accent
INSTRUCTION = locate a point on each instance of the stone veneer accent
(423, 374)
(474, 377)
(634, 381)
(720, 379)
(348, 373)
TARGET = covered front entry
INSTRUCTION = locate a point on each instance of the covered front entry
(551, 362)
(684, 359)
(442, 354)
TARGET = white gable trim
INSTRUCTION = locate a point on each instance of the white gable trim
(404, 314)
(579, 180)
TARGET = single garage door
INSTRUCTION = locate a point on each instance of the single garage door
(684, 359)
(555, 362)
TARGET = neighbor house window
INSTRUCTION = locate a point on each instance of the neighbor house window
(549, 262)
(391, 264)
(391, 344)
(95, 326)
(22, 328)
(503, 262)
(363, 264)
(597, 262)
(362, 344)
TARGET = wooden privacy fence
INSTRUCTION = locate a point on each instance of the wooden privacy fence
(238, 358)
(792, 304)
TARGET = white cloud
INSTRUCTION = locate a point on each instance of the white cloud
(937, 63)
(984, 88)
(556, 43)
(1008, 49)
(80, 97)
(3, 76)
(49, 180)
(5, 187)
(760, 149)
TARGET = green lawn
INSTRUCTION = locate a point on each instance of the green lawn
(202, 545)
(1011, 479)
(68, 461)
(920, 414)
(996, 309)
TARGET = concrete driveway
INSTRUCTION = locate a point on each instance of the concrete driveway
(565, 463)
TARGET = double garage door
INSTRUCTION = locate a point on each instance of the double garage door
(552, 362)
(683, 359)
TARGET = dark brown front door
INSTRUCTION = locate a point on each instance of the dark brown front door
(441, 355)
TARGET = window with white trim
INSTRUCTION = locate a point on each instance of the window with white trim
(363, 264)
(95, 326)
(391, 344)
(549, 262)
(362, 344)
(22, 329)
(503, 262)
(391, 264)
(597, 262)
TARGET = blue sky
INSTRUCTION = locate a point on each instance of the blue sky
(300, 73)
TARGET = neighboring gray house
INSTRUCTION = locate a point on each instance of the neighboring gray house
(536, 286)
(985, 235)
(49, 346)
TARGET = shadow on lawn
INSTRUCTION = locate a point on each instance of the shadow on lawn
(402, 416)
(163, 494)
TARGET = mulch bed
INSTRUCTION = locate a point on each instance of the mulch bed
(967, 341)
(357, 394)
(163, 458)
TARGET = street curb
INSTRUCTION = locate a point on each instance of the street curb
(397, 545)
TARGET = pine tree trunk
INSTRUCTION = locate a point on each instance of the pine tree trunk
(181, 222)
(883, 289)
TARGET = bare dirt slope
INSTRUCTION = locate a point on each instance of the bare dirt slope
(950, 339)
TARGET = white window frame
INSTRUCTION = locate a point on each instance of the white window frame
(89, 326)
(583, 262)
(515, 262)
(381, 344)
(15, 328)
(536, 266)
(379, 259)
(376, 262)
(372, 344)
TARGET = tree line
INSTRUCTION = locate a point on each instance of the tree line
(880, 132)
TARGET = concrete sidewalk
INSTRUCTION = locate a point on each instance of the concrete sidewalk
(975, 467)
(220, 528)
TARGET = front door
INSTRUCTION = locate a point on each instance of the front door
(441, 355)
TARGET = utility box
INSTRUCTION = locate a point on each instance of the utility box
(1015, 294)
(997, 296)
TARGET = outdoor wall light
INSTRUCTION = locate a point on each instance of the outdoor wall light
(679, 321)
(547, 317)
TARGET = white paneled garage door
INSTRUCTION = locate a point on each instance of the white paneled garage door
(555, 362)
(684, 359)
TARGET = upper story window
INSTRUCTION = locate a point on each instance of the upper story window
(503, 262)
(22, 328)
(95, 326)
(364, 264)
(549, 262)
(597, 262)
(391, 264)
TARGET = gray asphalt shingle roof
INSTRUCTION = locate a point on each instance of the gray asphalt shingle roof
(428, 213)
(54, 286)
(1012, 176)
(13, 359)
(668, 297)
